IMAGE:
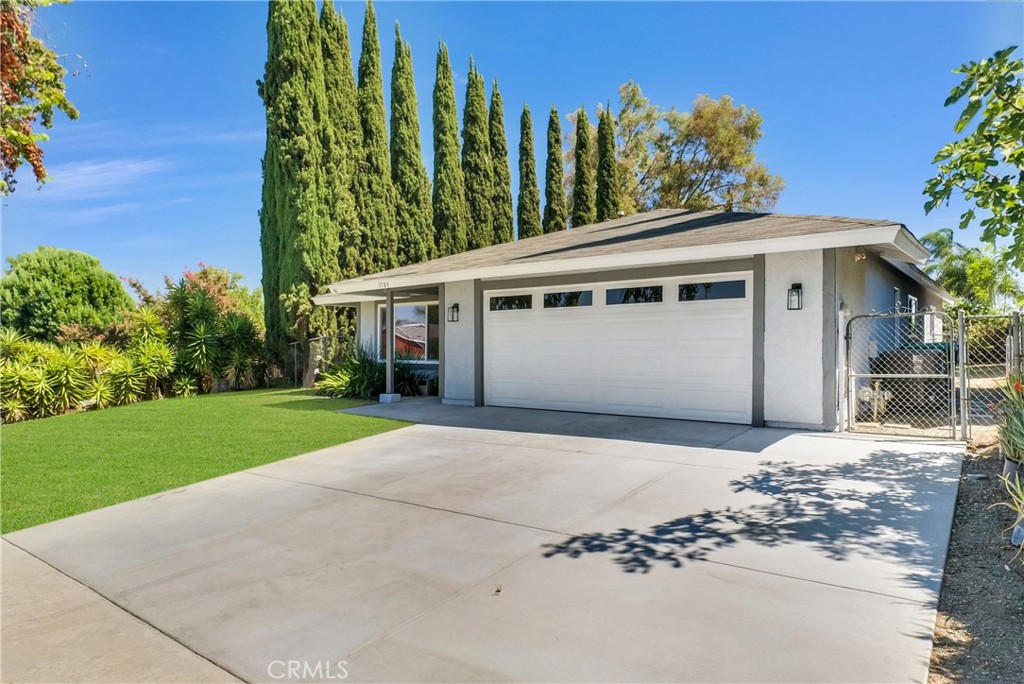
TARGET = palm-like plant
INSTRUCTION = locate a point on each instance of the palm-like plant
(126, 381)
(67, 375)
(201, 353)
(154, 360)
(184, 386)
(12, 343)
(100, 391)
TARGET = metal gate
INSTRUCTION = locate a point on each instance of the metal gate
(901, 374)
(924, 374)
(991, 356)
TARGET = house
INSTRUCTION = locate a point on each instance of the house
(703, 315)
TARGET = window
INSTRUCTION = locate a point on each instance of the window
(416, 332)
(723, 289)
(558, 300)
(649, 294)
(512, 303)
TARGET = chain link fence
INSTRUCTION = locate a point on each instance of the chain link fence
(992, 354)
(901, 374)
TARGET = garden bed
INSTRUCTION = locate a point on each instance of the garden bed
(978, 629)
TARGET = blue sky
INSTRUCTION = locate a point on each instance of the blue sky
(162, 170)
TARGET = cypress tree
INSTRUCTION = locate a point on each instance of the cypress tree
(413, 217)
(583, 211)
(376, 195)
(451, 215)
(502, 198)
(295, 199)
(607, 186)
(476, 162)
(554, 194)
(341, 139)
(528, 207)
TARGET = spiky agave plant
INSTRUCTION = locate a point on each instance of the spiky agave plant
(126, 381)
(184, 386)
(100, 391)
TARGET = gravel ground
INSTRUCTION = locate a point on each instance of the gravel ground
(979, 629)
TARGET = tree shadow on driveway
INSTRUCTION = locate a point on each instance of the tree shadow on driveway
(889, 505)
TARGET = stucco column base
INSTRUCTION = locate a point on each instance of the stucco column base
(390, 398)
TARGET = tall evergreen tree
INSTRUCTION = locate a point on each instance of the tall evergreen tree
(583, 210)
(476, 162)
(341, 139)
(528, 206)
(451, 215)
(376, 195)
(502, 198)
(607, 183)
(413, 216)
(294, 215)
(554, 193)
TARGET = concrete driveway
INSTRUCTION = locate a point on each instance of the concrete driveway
(506, 545)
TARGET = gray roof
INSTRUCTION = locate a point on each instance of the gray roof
(660, 229)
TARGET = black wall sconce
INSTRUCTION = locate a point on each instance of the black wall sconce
(795, 297)
(453, 314)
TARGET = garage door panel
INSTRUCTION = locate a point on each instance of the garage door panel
(670, 359)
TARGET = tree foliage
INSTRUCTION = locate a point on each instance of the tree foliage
(979, 278)
(477, 167)
(49, 288)
(555, 211)
(502, 197)
(342, 139)
(31, 89)
(451, 215)
(607, 193)
(986, 166)
(413, 214)
(300, 242)
(702, 159)
(376, 192)
(528, 205)
(583, 211)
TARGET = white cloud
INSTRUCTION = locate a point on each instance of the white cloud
(90, 179)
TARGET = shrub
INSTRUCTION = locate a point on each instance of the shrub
(360, 375)
(184, 386)
(67, 375)
(126, 381)
(1011, 431)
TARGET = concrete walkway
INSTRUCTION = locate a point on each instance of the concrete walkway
(506, 545)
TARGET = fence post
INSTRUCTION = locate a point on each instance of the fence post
(1015, 343)
(295, 363)
(965, 400)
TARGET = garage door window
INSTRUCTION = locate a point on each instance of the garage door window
(723, 289)
(416, 333)
(650, 294)
(558, 300)
(512, 303)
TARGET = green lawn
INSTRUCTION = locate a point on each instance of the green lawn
(56, 467)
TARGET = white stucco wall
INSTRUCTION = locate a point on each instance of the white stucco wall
(793, 383)
(459, 346)
(366, 326)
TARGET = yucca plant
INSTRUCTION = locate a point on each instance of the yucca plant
(144, 324)
(12, 343)
(1011, 431)
(100, 391)
(13, 406)
(1015, 488)
(241, 345)
(36, 391)
(98, 356)
(126, 381)
(201, 353)
(67, 375)
(154, 360)
(334, 383)
(184, 386)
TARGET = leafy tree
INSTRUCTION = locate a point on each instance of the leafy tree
(477, 167)
(502, 200)
(342, 140)
(699, 160)
(49, 288)
(451, 214)
(554, 196)
(376, 193)
(528, 208)
(986, 166)
(583, 209)
(31, 90)
(300, 242)
(607, 181)
(412, 185)
(979, 278)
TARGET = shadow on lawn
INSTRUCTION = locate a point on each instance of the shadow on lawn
(887, 505)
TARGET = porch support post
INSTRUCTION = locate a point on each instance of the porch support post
(389, 327)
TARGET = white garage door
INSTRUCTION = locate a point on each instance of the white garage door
(673, 348)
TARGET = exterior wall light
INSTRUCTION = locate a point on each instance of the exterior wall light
(795, 298)
(453, 314)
